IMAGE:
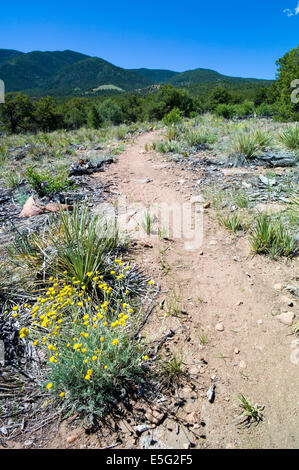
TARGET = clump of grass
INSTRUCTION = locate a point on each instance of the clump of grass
(199, 137)
(174, 307)
(290, 137)
(167, 147)
(293, 211)
(223, 198)
(12, 180)
(203, 337)
(175, 132)
(3, 157)
(120, 132)
(270, 237)
(147, 222)
(250, 413)
(173, 369)
(165, 267)
(231, 222)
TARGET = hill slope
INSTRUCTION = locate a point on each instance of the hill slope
(69, 73)
(156, 76)
(197, 76)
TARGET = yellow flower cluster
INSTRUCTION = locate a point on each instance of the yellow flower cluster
(71, 325)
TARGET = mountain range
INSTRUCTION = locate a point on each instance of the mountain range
(69, 73)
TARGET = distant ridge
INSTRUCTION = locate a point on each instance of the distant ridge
(69, 73)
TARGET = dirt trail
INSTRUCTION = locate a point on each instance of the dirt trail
(218, 283)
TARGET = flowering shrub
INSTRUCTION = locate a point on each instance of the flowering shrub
(87, 339)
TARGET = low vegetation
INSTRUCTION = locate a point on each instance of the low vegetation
(88, 307)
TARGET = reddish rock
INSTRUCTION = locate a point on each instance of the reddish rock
(31, 208)
(71, 439)
(55, 207)
(286, 318)
(155, 415)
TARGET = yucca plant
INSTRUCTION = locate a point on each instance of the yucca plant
(75, 244)
(245, 144)
(263, 139)
(290, 137)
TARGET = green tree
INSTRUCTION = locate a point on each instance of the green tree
(46, 115)
(110, 111)
(74, 113)
(288, 73)
(219, 95)
(16, 113)
(93, 118)
(169, 98)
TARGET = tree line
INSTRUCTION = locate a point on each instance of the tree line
(19, 113)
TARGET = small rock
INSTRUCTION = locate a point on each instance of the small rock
(237, 351)
(242, 364)
(260, 322)
(4, 431)
(293, 289)
(278, 286)
(54, 207)
(267, 181)
(211, 393)
(155, 415)
(71, 439)
(286, 318)
(142, 428)
(28, 443)
(219, 327)
(145, 181)
(207, 205)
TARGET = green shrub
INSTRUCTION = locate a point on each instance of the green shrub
(265, 110)
(227, 111)
(173, 117)
(244, 109)
(46, 185)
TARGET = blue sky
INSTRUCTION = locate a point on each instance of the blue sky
(238, 38)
